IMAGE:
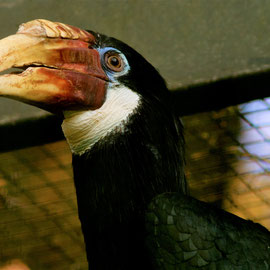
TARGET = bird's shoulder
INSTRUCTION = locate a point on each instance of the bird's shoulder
(187, 233)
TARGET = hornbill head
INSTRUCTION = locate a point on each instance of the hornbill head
(80, 74)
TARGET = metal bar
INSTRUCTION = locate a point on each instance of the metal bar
(216, 95)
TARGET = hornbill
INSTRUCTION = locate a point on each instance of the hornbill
(128, 154)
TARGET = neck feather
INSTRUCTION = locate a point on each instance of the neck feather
(85, 128)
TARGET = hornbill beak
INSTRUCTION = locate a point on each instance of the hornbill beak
(62, 68)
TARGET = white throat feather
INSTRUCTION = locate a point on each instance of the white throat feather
(83, 129)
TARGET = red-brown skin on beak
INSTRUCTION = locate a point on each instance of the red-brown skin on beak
(63, 69)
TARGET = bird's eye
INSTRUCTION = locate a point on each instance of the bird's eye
(114, 61)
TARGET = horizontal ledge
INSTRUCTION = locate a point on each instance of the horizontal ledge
(206, 96)
(30, 132)
(221, 93)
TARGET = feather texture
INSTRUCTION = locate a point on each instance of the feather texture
(184, 233)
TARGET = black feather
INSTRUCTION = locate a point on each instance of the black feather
(184, 233)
